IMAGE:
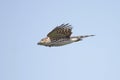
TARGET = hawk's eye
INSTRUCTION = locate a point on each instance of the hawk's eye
(42, 39)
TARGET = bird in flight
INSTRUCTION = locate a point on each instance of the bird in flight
(61, 35)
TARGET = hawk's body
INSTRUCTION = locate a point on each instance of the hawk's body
(61, 36)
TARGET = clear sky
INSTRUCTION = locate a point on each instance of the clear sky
(24, 22)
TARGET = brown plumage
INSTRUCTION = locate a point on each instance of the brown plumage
(61, 35)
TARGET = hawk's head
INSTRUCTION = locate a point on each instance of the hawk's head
(44, 41)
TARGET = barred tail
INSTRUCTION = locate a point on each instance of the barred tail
(85, 36)
(79, 38)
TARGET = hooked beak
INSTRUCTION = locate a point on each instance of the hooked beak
(39, 43)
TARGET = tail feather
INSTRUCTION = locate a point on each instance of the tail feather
(86, 36)
(79, 38)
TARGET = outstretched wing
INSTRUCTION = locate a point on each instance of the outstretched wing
(62, 31)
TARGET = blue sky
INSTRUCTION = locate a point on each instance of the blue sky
(24, 22)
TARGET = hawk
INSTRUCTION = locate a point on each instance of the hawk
(61, 35)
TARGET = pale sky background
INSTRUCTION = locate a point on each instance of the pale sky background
(24, 22)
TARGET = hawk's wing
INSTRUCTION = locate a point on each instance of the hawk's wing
(62, 31)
